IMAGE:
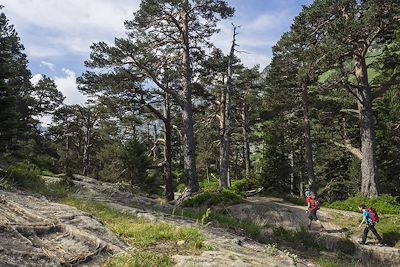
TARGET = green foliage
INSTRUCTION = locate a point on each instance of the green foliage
(140, 232)
(384, 204)
(209, 186)
(25, 175)
(180, 188)
(140, 259)
(298, 239)
(212, 198)
(246, 226)
(136, 162)
(243, 185)
(57, 190)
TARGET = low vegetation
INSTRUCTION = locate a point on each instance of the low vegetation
(155, 242)
(389, 212)
(384, 204)
(27, 176)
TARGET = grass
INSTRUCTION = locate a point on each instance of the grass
(140, 259)
(155, 242)
(297, 239)
(323, 261)
(384, 204)
(388, 227)
(27, 176)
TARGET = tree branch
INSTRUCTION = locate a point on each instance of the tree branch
(353, 150)
(383, 88)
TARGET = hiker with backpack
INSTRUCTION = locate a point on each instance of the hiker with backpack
(312, 207)
(370, 218)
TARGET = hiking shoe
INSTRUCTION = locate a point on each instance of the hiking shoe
(361, 243)
(382, 245)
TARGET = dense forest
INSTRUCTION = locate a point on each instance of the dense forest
(169, 111)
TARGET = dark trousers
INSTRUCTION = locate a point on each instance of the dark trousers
(371, 227)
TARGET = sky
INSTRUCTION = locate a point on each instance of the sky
(57, 34)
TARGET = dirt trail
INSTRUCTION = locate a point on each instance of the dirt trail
(276, 212)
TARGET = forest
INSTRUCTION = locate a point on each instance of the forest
(168, 111)
(183, 154)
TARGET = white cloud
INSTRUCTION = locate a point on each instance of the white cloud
(48, 64)
(69, 26)
(269, 21)
(67, 85)
(36, 78)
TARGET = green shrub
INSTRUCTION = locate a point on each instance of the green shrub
(55, 190)
(180, 188)
(243, 185)
(209, 198)
(384, 204)
(25, 176)
(209, 186)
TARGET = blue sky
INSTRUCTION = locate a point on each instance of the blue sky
(57, 34)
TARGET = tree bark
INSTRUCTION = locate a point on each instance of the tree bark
(369, 175)
(86, 151)
(224, 180)
(292, 172)
(307, 140)
(246, 142)
(189, 162)
(169, 190)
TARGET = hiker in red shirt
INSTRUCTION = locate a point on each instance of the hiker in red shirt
(312, 207)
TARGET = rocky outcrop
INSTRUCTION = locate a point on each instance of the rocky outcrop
(36, 232)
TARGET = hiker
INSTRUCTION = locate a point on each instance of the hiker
(369, 221)
(312, 207)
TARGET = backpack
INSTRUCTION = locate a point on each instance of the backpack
(374, 215)
(317, 205)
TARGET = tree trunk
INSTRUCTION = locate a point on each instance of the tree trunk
(189, 162)
(292, 172)
(86, 153)
(369, 175)
(169, 190)
(226, 134)
(307, 141)
(246, 142)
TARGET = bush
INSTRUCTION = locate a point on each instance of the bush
(180, 188)
(56, 190)
(213, 198)
(243, 185)
(384, 204)
(209, 186)
(25, 176)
